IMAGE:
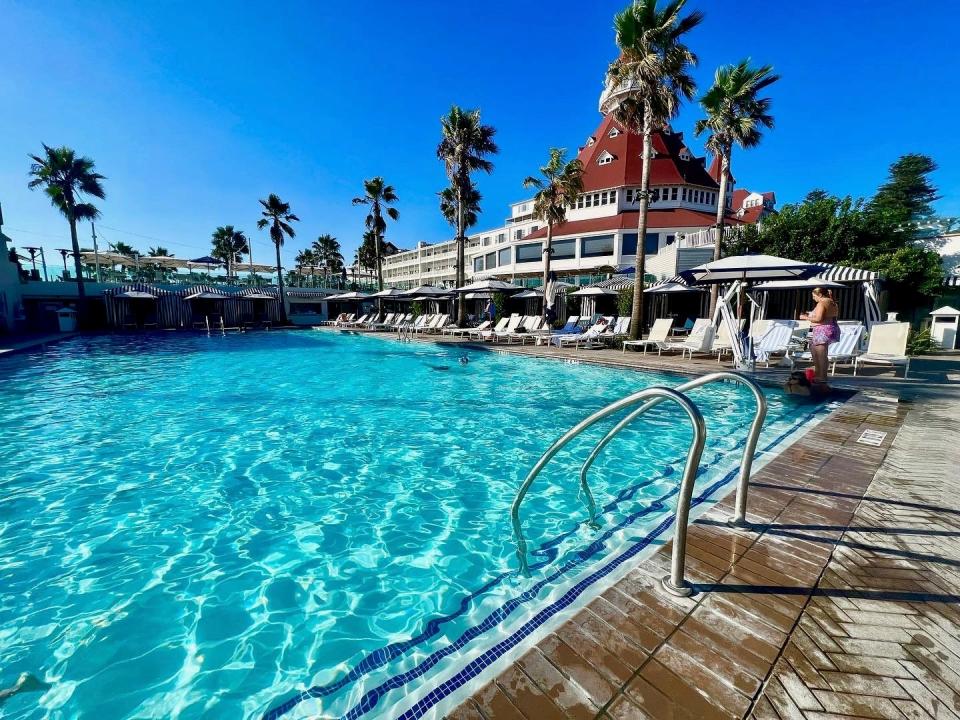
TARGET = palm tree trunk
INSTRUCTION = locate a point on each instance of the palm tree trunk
(283, 304)
(461, 259)
(379, 264)
(636, 316)
(721, 211)
(547, 253)
(78, 269)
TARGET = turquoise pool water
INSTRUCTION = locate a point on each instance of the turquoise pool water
(196, 526)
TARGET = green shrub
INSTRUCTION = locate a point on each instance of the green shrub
(625, 301)
(416, 309)
(922, 343)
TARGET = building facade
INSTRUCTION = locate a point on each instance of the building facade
(600, 233)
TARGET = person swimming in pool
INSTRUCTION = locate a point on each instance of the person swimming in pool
(463, 360)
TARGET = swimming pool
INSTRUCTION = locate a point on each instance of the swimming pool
(301, 524)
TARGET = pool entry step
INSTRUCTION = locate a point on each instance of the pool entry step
(647, 399)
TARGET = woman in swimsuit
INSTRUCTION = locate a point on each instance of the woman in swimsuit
(824, 332)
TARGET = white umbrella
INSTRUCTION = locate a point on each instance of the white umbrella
(526, 294)
(107, 258)
(257, 296)
(749, 267)
(136, 295)
(254, 267)
(489, 286)
(594, 292)
(808, 284)
(163, 261)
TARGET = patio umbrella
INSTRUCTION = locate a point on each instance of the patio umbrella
(527, 294)
(162, 261)
(388, 293)
(136, 295)
(809, 283)
(749, 268)
(427, 290)
(352, 295)
(257, 296)
(489, 286)
(672, 287)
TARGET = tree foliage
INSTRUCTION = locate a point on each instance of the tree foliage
(885, 234)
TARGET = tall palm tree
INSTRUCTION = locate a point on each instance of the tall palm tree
(654, 65)
(735, 115)
(67, 180)
(465, 144)
(277, 216)
(229, 245)
(560, 186)
(328, 252)
(378, 196)
(159, 251)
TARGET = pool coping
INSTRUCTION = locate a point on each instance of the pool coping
(637, 651)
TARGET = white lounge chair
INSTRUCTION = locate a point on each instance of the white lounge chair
(587, 336)
(621, 328)
(887, 345)
(530, 325)
(344, 320)
(722, 344)
(775, 341)
(657, 337)
(700, 326)
(486, 334)
(512, 324)
(844, 350)
(463, 332)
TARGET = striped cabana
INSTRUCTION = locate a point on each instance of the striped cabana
(175, 310)
(120, 311)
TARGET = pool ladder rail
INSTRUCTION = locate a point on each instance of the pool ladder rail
(647, 399)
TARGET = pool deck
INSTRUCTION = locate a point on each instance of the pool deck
(22, 343)
(841, 600)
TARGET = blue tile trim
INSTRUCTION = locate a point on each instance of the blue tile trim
(382, 656)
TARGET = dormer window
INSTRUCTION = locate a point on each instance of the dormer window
(684, 155)
(590, 141)
(605, 158)
(613, 133)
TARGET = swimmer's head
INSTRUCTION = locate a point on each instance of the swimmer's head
(464, 360)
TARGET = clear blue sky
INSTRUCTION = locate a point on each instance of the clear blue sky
(194, 111)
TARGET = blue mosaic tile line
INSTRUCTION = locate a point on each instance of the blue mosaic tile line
(390, 652)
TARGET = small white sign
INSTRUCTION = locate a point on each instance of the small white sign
(872, 437)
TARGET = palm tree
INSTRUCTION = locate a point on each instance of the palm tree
(159, 251)
(229, 244)
(378, 195)
(307, 258)
(67, 179)
(328, 253)
(654, 68)
(449, 207)
(463, 149)
(122, 248)
(277, 216)
(736, 115)
(562, 183)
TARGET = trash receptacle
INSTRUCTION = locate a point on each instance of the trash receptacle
(67, 317)
(944, 327)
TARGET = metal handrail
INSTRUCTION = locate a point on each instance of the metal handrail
(740, 505)
(674, 582)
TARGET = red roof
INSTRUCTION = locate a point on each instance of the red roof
(656, 220)
(666, 168)
(739, 195)
(714, 170)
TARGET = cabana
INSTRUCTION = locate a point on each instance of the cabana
(180, 306)
(589, 295)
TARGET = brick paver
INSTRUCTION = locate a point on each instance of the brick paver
(841, 601)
